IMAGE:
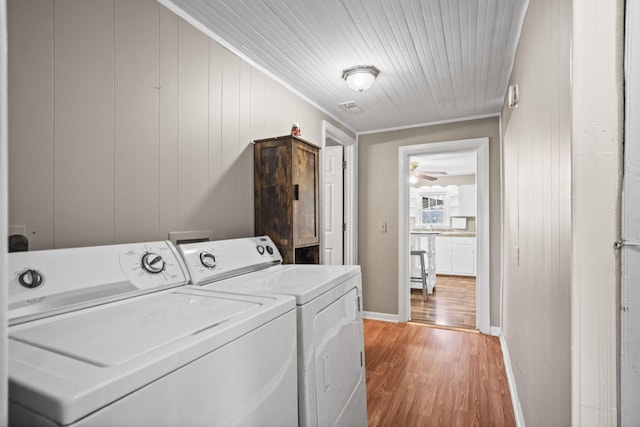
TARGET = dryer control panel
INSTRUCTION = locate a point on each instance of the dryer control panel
(209, 262)
(45, 283)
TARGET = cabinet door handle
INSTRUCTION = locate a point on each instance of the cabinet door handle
(296, 192)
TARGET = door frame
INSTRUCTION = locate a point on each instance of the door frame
(4, 214)
(350, 194)
(481, 147)
(628, 377)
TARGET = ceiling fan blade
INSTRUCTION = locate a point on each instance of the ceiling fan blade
(436, 172)
(425, 176)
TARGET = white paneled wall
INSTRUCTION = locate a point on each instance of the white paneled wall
(127, 123)
(136, 106)
(84, 123)
(30, 99)
(537, 217)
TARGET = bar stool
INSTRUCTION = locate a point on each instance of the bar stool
(423, 273)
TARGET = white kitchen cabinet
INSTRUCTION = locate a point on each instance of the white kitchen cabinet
(467, 199)
(443, 255)
(456, 255)
(463, 256)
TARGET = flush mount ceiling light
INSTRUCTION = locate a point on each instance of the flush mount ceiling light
(360, 77)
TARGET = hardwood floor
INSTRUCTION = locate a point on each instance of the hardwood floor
(423, 376)
(453, 304)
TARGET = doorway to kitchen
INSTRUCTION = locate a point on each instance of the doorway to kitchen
(480, 147)
(442, 217)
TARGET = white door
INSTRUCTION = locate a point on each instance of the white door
(333, 202)
(630, 254)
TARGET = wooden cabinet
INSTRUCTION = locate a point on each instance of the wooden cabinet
(286, 197)
(456, 255)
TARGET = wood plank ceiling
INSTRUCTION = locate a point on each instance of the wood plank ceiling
(439, 60)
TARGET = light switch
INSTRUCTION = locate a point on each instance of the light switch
(383, 227)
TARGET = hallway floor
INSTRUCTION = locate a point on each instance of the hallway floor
(424, 376)
(453, 304)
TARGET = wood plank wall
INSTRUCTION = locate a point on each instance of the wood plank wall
(126, 123)
(537, 217)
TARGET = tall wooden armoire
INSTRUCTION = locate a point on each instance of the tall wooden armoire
(286, 177)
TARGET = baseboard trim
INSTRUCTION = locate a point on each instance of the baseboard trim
(495, 331)
(515, 400)
(385, 317)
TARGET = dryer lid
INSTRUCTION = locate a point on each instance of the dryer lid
(305, 282)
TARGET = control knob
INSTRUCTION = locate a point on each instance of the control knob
(260, 249)
(31, 278)
(207, 259)
(153, 263)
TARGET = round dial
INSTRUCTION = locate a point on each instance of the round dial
(260, 249)
(207, 259)
(153, 263)
(31, 278)
(270, 250)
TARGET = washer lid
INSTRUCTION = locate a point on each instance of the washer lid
(118, 334)
(303, 281)
(68, 366)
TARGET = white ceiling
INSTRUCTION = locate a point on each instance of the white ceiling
(439, 60)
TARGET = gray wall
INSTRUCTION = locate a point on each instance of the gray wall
(537, 217)
(127, 123)
(378, 202)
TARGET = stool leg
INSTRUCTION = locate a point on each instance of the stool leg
(424, 278)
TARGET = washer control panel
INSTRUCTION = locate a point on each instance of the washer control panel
(43, 283)
(209, 262)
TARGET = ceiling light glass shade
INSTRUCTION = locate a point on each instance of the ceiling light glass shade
(360, 77)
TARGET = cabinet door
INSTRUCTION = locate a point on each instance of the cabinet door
(305, 194)
(273, 196)
(443, 255)
(464, 260)
(467, 200)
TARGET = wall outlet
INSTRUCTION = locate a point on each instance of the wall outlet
(383, 227)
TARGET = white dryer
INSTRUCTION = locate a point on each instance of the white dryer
(109, 335)
(331, 372)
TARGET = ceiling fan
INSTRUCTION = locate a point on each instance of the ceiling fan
(427, 175)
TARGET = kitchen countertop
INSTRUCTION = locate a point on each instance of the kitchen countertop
(447, 233)
(459, 233)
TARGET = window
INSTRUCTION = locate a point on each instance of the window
(433, 209)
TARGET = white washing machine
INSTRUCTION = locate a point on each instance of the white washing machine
(109, 335)
(331, 372)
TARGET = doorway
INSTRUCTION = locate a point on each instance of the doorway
(443, 208)
(348, 229)
(481, 148)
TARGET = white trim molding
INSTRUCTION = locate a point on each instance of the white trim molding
(515, 400)
(384, 317)
(496, 331)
